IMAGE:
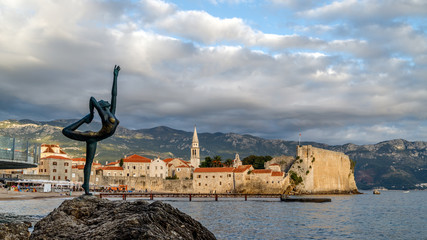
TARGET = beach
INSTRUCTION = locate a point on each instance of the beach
(6, 195)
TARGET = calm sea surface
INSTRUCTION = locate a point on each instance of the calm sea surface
(391, 215)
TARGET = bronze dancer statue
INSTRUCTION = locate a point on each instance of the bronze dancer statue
(109, 124)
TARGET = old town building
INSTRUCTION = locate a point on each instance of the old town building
(178, 168)
(135, 166)
(210, 180)
(158, 169)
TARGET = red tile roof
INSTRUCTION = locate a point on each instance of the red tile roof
(136, 158)
(79, 159)
(261, 171)
(274, 164)
(168, 160)
(277, 174)
(214, 169)
(57, 157)
(110, 168)
(78, 166)
(113, 163)
(48, 150)
(242, 168)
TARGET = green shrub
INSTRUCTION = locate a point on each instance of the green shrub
(295, 178)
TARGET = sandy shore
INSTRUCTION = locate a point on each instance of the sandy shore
(12, 195)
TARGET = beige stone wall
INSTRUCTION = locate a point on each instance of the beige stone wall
(213, 182)
(149, 184)
(323, 171)
(261, 183)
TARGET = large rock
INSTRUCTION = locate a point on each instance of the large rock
(321, 171)
(14, 231)
(88, 217)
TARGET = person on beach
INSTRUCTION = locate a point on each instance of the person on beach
(109, 124)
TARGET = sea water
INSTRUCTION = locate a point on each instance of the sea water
(390, 215)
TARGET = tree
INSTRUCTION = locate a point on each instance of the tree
(217, 161)
(207, 162)
(228, 162)
(121, 162)
(256, 161)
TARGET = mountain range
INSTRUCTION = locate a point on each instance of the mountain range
(393, 164)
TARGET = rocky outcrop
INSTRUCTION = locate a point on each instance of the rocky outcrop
(88, 217)
(320, 171)
(14, 231)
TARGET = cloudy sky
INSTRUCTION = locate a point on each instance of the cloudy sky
(335, 71)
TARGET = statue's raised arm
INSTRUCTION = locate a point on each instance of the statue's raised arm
(114, 90)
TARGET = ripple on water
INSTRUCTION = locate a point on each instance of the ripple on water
(391, 215)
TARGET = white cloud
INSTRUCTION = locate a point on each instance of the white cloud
(184, 67)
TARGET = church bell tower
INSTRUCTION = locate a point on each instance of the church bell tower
(195, 150)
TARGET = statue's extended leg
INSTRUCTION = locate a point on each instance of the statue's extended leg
(90, 154)
(69, 130)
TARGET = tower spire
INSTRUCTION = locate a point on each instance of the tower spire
(195, 150)
(195, 138)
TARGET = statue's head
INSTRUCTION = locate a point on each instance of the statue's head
(104, 104)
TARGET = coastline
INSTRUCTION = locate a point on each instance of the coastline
(6, 195)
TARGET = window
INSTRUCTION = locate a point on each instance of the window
(229, 175)
(54, 163)
(148, 167)
(54, 170)
(200, 184)
(134, 167)
(66, 170)
(45, 170)
(220, 183)
(220, 176)
(108, 174)
(213, 176)
(128, 167)
(206, 176)
(59, 177)
(199, 176)
(161, 167)
(178, 169)
(53, 177)
(66, 164)
(156, 167)
(65, 177)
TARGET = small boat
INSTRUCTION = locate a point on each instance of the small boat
(376, 191)
(405, 191)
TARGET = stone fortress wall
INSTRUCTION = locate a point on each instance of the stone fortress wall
(323, 171)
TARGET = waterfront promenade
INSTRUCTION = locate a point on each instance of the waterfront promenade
(6, 195)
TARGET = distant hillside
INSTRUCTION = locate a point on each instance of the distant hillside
(395, 164)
